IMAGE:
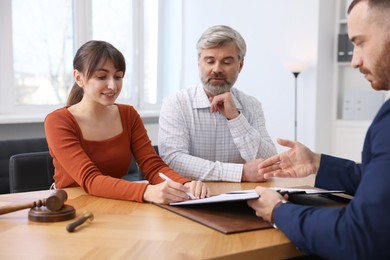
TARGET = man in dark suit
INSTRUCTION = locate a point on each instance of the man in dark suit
(361, 230)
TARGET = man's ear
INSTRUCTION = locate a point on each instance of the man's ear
(241, 65)
(78, 78)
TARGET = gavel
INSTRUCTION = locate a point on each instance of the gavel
(54, 203)
(72, 226)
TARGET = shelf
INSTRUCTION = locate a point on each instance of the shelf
(352, 94)
(349, 138)
(343, 21)
(352, 123)
(344, 63)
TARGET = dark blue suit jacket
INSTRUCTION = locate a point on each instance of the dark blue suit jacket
(361, 230)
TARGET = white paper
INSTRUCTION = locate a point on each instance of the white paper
(247, 194)
(243, 195)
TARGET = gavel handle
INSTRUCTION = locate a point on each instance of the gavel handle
(72, 226)
(12, 208)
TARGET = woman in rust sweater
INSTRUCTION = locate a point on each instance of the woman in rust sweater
(92, 139)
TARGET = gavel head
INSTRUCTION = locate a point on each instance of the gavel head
(56, 200)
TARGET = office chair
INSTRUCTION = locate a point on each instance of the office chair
(35, 171)
(135, 173)
(30, 171)
(11, 147)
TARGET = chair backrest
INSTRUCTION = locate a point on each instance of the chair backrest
(30, 171)
(134, 173)
(35, 171)
(11, 147)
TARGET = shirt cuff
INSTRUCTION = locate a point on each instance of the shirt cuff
(232, 172)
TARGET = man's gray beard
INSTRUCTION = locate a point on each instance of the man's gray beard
(217, 89)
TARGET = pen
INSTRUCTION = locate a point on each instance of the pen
(164, 177)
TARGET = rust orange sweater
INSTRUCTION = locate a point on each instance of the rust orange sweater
(98, 166)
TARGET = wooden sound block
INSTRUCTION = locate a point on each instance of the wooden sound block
(42, 214)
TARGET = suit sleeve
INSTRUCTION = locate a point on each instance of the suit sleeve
(361, 229)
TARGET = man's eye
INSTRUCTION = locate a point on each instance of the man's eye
(101, 77)
(357, 43)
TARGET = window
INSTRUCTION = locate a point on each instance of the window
(42, 51)
(42, 36)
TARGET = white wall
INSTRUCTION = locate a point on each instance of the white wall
(275, 31)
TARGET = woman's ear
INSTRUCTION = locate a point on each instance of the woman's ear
(78, 78)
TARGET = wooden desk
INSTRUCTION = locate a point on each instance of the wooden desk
(129, 230)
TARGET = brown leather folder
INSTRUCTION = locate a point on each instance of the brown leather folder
(225, 217)
(236, 216)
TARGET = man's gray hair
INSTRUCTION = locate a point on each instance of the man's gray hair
(219, 35)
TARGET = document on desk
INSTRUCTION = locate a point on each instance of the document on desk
(229, 213)
(250, 194)
(230, 196)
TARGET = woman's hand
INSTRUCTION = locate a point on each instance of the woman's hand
(171, 191)
(199, 189)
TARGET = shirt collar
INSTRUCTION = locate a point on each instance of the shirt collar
(202, 101)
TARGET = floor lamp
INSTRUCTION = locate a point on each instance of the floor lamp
(296, 68)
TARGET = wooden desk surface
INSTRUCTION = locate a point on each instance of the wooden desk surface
(129, 230)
